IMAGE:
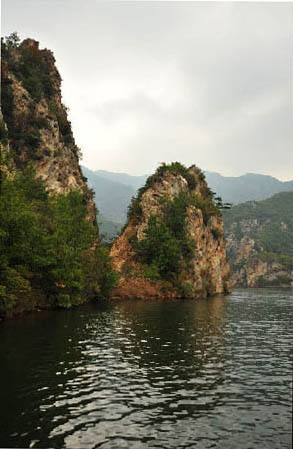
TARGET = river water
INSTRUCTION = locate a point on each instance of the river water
(211, 373)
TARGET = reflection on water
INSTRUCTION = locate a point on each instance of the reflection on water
(155, 374)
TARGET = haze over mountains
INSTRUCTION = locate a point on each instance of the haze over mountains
(113, 191)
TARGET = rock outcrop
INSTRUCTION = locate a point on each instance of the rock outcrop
(260, 242)
(36, 126)
(205, 271)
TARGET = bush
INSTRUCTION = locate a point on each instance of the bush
(134, 209)
(3, 133)
(166, 249)
(159, 249)
(46, 244)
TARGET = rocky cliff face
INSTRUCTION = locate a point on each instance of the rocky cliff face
(36, 126)
(260, 242)
(167, 194)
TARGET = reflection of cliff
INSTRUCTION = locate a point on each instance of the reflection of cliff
(179, 346)
(46, 358)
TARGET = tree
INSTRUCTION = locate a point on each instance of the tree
(13, 40)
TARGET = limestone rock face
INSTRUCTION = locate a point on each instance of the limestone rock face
(38, 128)
(259, 242)
(248, 267)
(208, 271)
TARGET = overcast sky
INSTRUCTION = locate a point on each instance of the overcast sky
(146, 82)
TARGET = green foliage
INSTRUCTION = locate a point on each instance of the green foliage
(3, 133)
(13, 40)
(47, 244)
(101, 278)
(152, 272)
(216, 234)
(33, 70)
(207, 206)
(7, 103)
(283, 259)
(202, 176)
(134, 209)
(166, 249)
(160, 249)
(64, 125)
(269, 223)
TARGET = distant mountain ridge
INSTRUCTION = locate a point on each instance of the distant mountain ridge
(113, 191)
(248, 187)
(111, 197)
(235, 189)
(124, 178)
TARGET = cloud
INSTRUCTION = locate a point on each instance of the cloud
(205, 83)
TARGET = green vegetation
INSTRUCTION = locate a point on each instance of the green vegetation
(31, 68)
(108, 229)
(64, 125)
(206, 201)
(134, 209)
(273, 218)
(269, 223)
(35, 70)
(166, 249)
(159, 249)
(47, 248)
(3, 133)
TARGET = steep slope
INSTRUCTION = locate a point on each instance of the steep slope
(260, 241)
(49, 252)
(172, 244)
(38, 129)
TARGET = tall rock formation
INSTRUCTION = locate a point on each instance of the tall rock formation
(36, 126)
(49, 252)
(173, 243)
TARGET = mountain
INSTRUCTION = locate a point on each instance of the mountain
(123, 178)
(39, 132)
(111, 198)
(49, 245)
(119, 188)
(173, 242)
(108, 229)
(260, 241)
(246, 187)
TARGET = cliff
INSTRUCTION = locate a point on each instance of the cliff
(173, 243)
(49, 252)
(260, 241)
(36, 127)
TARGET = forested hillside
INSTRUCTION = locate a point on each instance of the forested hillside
(49, 241)
(260, 241)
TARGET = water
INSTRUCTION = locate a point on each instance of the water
(212, 373)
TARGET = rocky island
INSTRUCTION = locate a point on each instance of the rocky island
(173, 242)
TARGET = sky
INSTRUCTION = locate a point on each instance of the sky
(205, 83)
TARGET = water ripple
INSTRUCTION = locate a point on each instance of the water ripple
(151, 374)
